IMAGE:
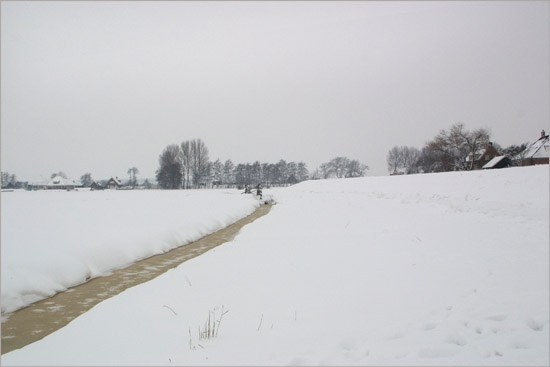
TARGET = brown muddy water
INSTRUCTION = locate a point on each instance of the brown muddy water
(34, 322)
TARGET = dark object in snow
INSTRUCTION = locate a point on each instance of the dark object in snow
(259, 191)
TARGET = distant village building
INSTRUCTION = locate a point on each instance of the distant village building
(56, 183)
(96, 186)
(61, 183)
(537, 152)
(489, 153)
(113, 183)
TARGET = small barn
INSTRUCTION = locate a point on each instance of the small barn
(498, 162)
(480, 161)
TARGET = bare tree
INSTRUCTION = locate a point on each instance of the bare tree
(281, 171)
(217, 172)
(516, 153)
(5, 178)
(199, 154)
(458, 149)
(338, 166)
(474, 141)
(342, 167)
(60, 173)
(86, 180)
(186, 161)
(403, 159)
(394, 160)
(228, 172)
(133, 172)
(355, 169)
(302, 172)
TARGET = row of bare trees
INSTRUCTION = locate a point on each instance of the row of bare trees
(187, 165)
(455, 149)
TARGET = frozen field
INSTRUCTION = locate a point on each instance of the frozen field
(52, 240)
(438, 269)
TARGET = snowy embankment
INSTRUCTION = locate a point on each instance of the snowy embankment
(52, 240)
(439, 269)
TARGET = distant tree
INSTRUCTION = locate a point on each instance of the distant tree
(60, 173)
(458, 148)
(342, 167)
(266, 174)
(199, 162)
(302, 172)
(325, 170)
(393, 159)
(228, 172)
(132, 173)
(170, 172)
(516, 153)
(86, 180)
(5, 178)
(256, 173)
(147, 185)
(430, 161)
(338, 166)
(292, 171)
(217, 171)
(281, 171)
(354, 168)
(186, 161)
(403, 159)
(242, 174)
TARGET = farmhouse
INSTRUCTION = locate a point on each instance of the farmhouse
(113, 183)
(538, 152)
(58, 183)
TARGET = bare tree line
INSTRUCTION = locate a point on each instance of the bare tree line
(456, 149)
(187, 165)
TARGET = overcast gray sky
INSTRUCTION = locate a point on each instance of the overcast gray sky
(104, 86)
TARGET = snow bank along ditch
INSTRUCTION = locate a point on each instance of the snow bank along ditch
(41, 318)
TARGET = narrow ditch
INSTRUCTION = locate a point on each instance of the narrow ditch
(34, 322)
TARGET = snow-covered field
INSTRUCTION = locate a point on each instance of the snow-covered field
(438, 269)
(52, 240)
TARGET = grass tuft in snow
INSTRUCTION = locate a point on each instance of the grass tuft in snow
(211, 326)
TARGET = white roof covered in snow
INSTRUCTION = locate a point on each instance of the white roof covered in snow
(60, 181)
(539, 149)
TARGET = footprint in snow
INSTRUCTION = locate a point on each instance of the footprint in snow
(535, 325)
(501, 317)
(429, 326)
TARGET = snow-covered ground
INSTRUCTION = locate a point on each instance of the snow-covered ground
(438, 269)
(52, 240)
